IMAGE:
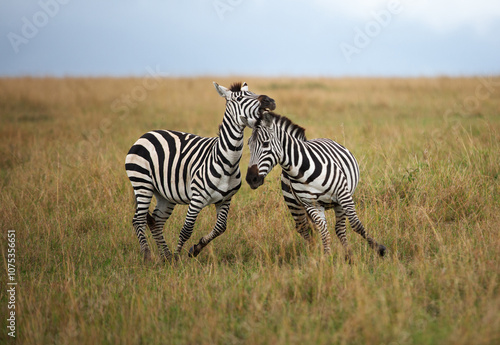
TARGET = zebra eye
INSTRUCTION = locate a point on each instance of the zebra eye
(239, 98)
(265, 144)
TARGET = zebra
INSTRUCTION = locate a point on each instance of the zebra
(317, 175)
(183, 168)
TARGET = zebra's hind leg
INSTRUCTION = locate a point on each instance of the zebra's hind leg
(143, 199)
(220, 226)
(347, 204)
(156, 222)
(340, 230)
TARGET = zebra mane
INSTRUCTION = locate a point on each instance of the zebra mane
(236, 87)
(288, 126)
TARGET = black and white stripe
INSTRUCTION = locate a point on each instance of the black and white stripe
(317, 174)
(183, 168)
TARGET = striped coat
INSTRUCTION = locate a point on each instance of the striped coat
(183, 168)
(317, 175)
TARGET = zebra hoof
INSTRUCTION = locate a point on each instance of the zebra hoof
(168, 259)
(195, 250)
(348, 258)
(147, 255)
(381, 250)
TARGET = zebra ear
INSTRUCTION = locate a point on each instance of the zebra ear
(222, 91)
(267, 119)
(244, 86)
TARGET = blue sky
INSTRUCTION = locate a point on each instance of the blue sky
(245, 37)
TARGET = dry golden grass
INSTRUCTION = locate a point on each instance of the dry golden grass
(429, 151)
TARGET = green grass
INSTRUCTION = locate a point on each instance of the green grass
(429, 191)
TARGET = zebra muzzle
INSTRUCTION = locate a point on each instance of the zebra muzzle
(266, 103)
(253, 178)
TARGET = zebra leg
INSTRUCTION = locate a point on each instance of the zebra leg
(161, 214)
(297, 211)
(302, 224)
(317, 215)
(187, 229)
(219, 228)
(340, 230)
(143, 199)
(347, 204)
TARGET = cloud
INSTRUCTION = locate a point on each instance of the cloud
(254, 37)
(442, 16)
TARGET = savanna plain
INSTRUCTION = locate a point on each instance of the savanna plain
(429, 153)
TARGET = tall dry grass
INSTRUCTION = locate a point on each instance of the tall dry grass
(429, 151)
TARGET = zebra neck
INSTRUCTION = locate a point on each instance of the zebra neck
(230, 143)
(292, 150)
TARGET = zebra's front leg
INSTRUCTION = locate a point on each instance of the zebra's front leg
(317, 215)
(296, 209)
(187, 229)
(302, 226)
(219, 228)
(301, 219)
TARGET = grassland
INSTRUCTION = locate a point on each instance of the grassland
(429, 151)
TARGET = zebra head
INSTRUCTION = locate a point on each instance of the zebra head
(265, 151)
(245, 106)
